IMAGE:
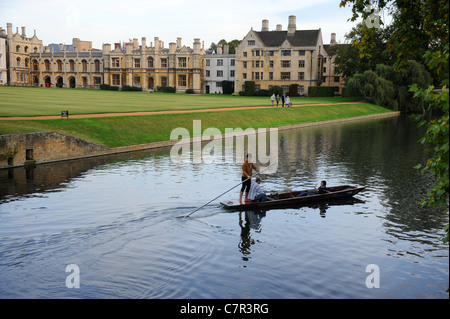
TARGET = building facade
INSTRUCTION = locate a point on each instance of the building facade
(19, 48)
(218, 67)
(152, 66)
(67, 66)
(3, 68)
(282, 58)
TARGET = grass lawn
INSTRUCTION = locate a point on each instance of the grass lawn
(28, 101)
(128, 130)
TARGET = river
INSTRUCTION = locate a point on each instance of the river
(117, 219)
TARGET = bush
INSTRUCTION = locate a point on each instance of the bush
(166, 89)
(131, 88)
(109, 87)
(227, 87)
(321, 91)
(261, 93)
(249, 88)
(190, 91)
(293, 90)
(277, 90)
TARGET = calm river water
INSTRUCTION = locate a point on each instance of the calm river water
(117, 219)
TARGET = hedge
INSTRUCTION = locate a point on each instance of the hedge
(322, 91)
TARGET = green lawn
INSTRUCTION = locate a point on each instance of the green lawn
(27, 101)
(128, 130)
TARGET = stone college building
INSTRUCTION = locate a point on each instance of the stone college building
(267, 57)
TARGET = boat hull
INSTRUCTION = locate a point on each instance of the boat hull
(290, 199)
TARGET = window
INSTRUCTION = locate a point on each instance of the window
(336, 79)
(256, 75)
(218, 84)
(116, 79)
(182, 80)
(137, 63)
(219, 74)
(301, 53)
(285, 75)
(137, 81)
(18, 48)
(164, 81)
(285, 88)
(286, 64)
(59, 65)
(301, 63)
(244, 76)
(285, 52)
(270, 64)
(219, 62)
(251, 42)
(97, 81)
(271, 53)
(164, 64)
(301, 89)
(270, 75)
(208, 74)
(84, 65)
(244, 64)
(324, 70)
(232, 62)
(301, 75)
(71, 65)
(257, 53)
(245, 54)
(115, 62)
(182, 62)
(35, 65)
(27, 63)
(26, 49)
(232, 73)
(97, 65)
(18, 62)
(47, 65)
(150, 62)
(207, 62)
(257, 64)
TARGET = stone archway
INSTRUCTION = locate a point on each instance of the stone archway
(72, 82)
(59, 82)
(47, 81)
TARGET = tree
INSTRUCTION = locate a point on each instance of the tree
(420, 30)
(231, 45)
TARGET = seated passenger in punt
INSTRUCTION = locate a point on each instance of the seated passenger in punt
(321, 190)
(256, 194)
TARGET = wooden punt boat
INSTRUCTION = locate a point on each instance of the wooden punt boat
(290, 199)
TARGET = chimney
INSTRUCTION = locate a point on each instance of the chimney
(265, 25)
(172, 47)
(106, 48)
(23, 32)
(219, 49)
(144, 43)
(333, 38)
(226, 49)
(157, 44)
(9, 30)
(178, 43)
(116, 46)
(197, 46)
(279, 27)
(135, 44)
(292, 25)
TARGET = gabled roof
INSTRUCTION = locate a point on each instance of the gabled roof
(301, 38)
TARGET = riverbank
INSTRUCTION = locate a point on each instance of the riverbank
(131, 130)
(53, 146)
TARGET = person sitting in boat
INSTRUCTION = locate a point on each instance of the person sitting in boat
(256, 194)
(321, 190)
(247, 171)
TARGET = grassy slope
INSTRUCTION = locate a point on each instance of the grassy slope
(128, 130)
(25, 101)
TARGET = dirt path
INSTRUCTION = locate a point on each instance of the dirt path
(79, 116)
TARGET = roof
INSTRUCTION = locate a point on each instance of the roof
(301, 38)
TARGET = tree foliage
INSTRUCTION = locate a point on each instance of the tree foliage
(421, 33)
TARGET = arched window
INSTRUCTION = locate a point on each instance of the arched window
(35, 65)
(85, 65)
(71, 65)
(97, 65)
(27, 63)
(18, 62)
(18, 48)
(47, 65)
(59, 64)
(26, 49)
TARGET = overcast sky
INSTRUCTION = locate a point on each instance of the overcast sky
(110, 21)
